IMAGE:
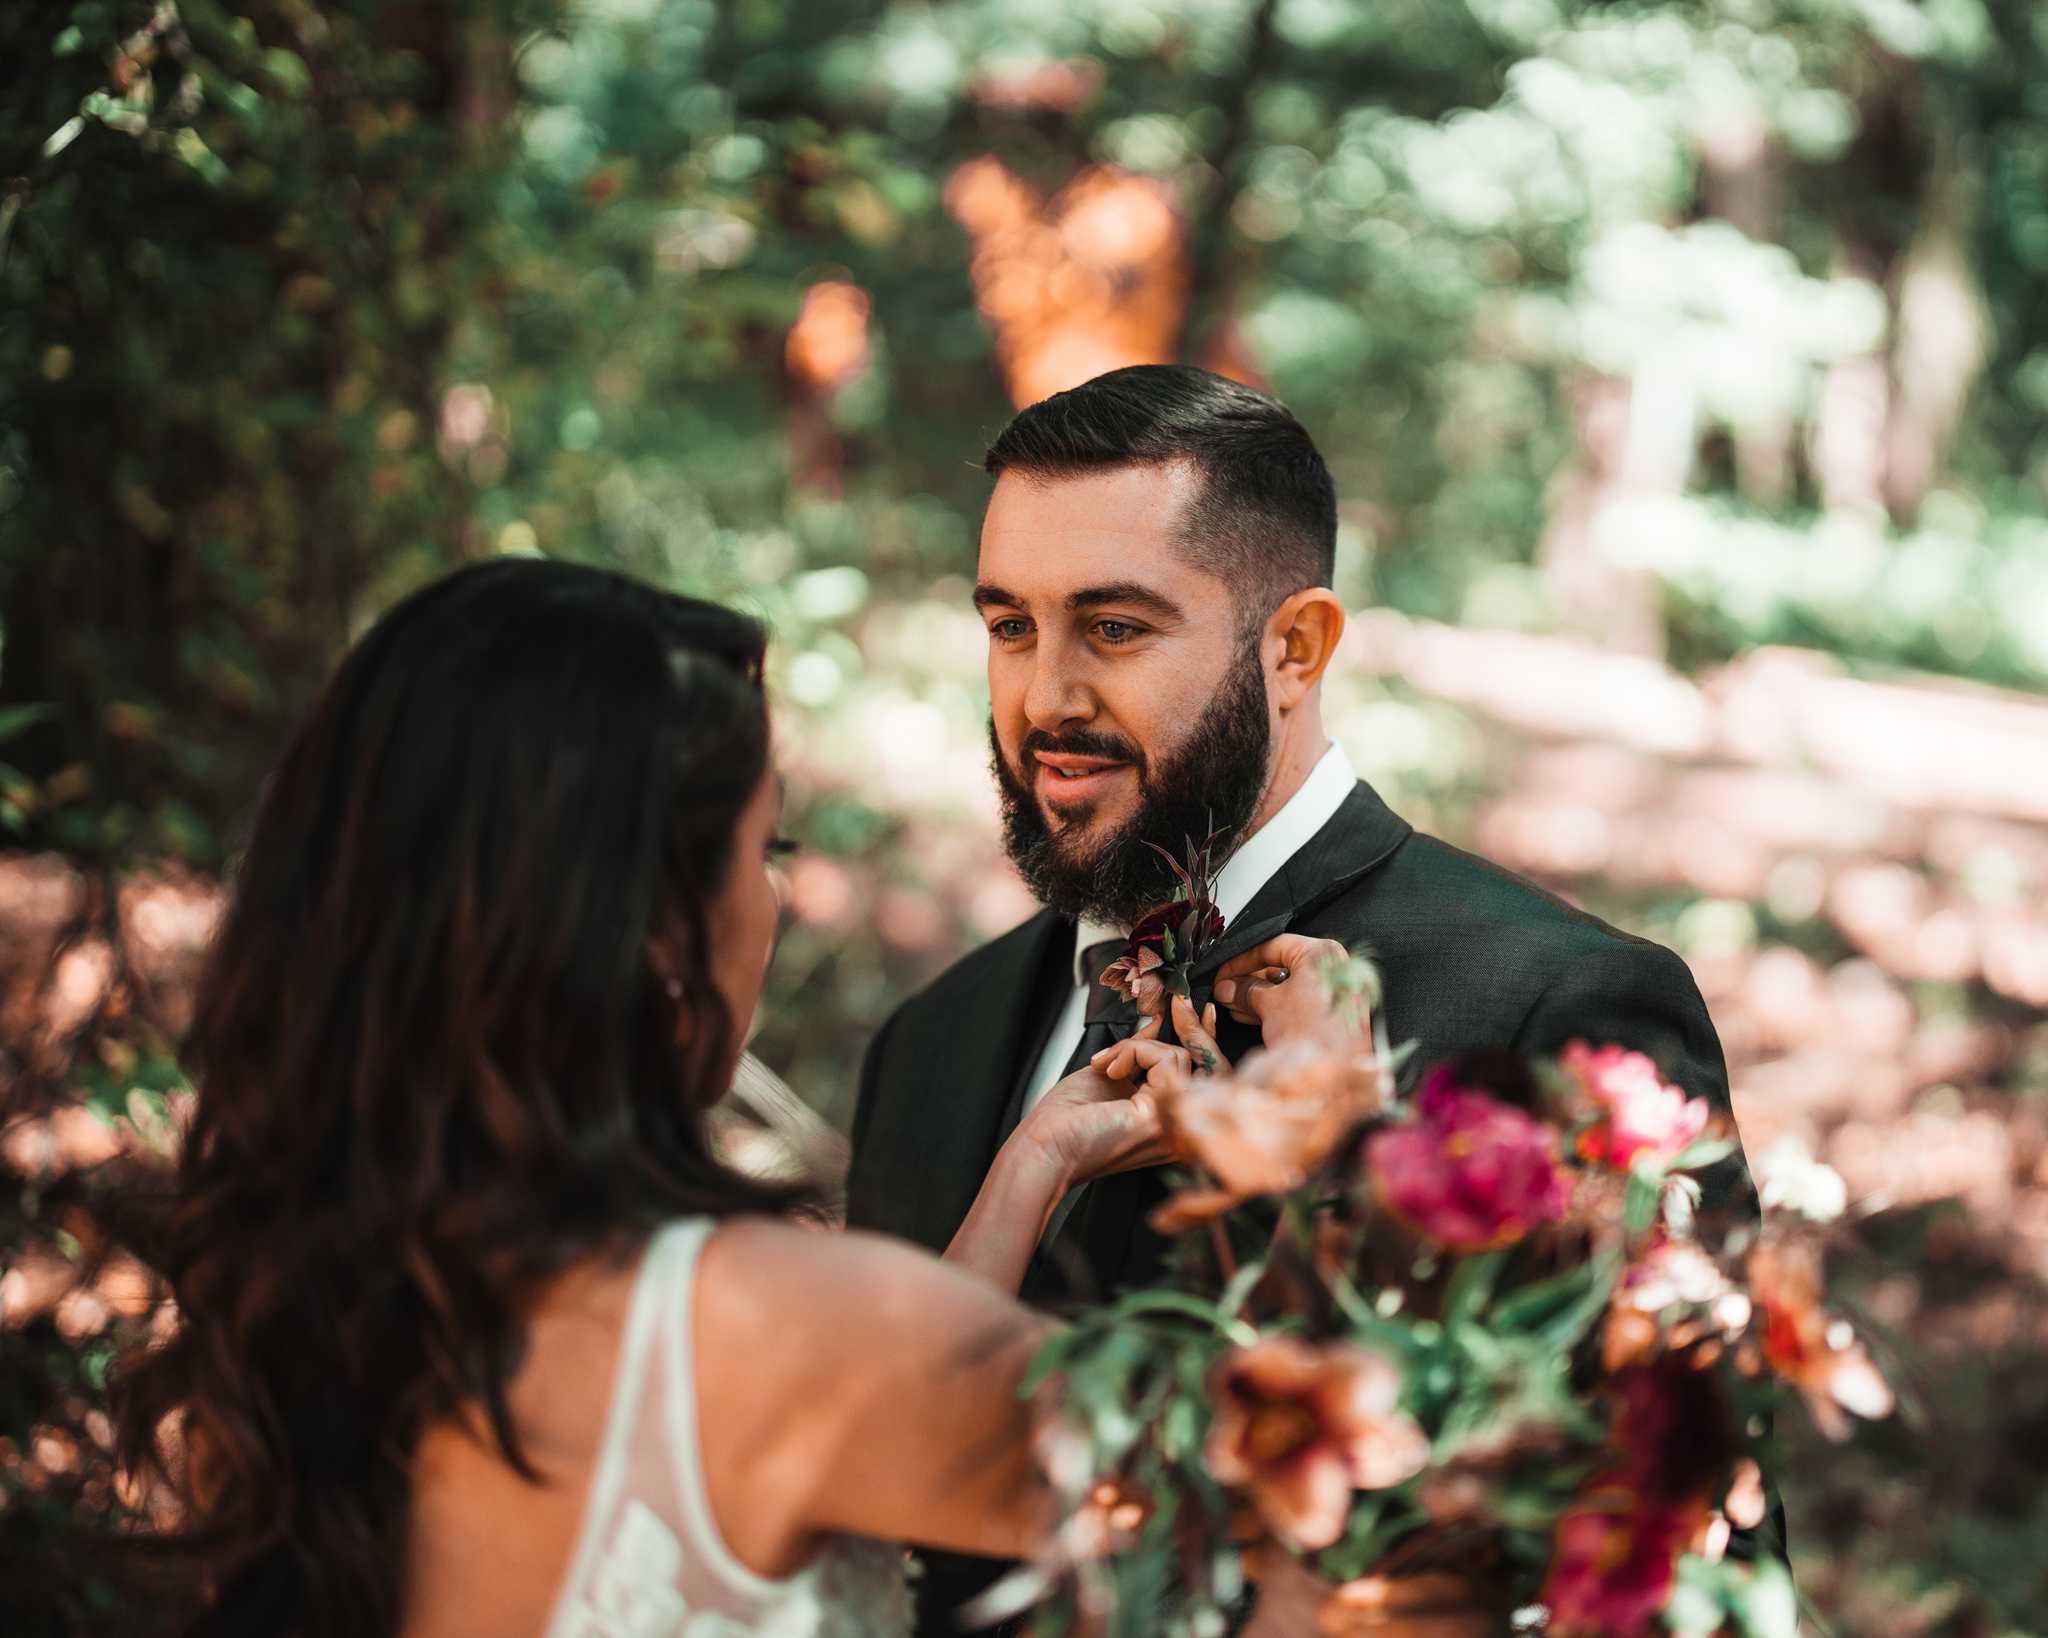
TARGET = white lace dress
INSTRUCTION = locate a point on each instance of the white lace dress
(649, 1562)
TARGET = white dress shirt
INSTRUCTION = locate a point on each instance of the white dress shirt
(1256, 862)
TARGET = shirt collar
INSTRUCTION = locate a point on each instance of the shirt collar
(1259, 859)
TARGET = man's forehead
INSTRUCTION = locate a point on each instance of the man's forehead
(1113, 524)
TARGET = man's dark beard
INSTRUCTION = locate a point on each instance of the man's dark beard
(1212, 780)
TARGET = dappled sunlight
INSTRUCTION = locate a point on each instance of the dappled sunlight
(1680, 369)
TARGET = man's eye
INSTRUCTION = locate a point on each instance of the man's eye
(1115, 631)
(1008, 631)
(781, 847)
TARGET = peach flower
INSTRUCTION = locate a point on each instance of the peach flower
(1135, 977)
(1264, 1128)
(1299, 1428)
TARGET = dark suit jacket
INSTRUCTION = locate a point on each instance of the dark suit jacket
(1470, 956)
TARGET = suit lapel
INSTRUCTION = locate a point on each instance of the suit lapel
(962, 1123)
(1360, 836)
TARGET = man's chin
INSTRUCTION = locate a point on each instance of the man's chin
(1080, 830)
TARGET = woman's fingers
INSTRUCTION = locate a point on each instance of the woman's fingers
(1161, 1065)
(1198, 1036)
(1139, 1053)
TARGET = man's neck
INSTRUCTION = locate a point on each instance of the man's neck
(1295, 756)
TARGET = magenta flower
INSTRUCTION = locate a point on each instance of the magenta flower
(1614, 1561)
(1471, 1173)
(1641, 1114)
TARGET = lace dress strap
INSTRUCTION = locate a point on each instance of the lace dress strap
(649, 1561)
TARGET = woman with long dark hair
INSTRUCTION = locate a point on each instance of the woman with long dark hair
(476, 1333)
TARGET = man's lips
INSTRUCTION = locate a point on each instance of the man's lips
(1061, 777)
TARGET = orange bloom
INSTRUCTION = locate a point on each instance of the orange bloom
(1818, 1355)
(1299, 1428)
(1264, 1128)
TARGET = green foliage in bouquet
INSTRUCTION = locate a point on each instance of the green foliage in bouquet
(1496, 1331)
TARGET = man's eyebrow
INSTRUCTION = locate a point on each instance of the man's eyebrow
(1128, 593)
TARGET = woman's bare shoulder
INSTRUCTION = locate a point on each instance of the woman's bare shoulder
(759, 1270)
(809, 1346)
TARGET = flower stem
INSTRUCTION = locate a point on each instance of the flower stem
(1225, 1257)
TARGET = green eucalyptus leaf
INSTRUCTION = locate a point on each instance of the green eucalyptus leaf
(1640, 1199)
(1703, 1153)
(1769, 1604)
(287, 71)
(1240, 1287)
(1528, 1306)
(1471, 1286)
(1698, 1607)
(1563, 1330)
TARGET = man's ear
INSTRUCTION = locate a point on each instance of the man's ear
(1301, 639)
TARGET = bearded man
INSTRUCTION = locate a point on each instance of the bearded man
(1154, 574)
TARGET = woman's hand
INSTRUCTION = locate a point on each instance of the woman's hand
(1163, 1067)
(1096, 1123)
(1084, 1127)
(1279, 986)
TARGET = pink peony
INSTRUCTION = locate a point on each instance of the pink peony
(1640, 1113)
(1471, 1172)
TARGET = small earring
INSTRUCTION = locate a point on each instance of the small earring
(675, 989)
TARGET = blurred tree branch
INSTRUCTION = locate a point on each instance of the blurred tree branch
(1213, 286)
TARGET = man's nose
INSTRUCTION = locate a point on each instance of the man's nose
(1058, 693)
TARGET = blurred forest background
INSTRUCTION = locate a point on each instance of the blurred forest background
(1683, 365)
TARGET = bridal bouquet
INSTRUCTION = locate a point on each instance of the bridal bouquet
(1485, 1336)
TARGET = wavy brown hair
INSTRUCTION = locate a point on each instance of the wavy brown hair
(433, 1062)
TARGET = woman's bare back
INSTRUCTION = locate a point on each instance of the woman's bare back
(806, 1350)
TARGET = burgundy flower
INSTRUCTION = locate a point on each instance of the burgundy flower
(1614, 1561)
(1470, 1172)
(1640, 1113)
(1299, 1428)
(1167, 941)
(1178, 927)
(1673, 1433)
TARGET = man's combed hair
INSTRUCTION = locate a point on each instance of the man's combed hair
(1265, 519)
